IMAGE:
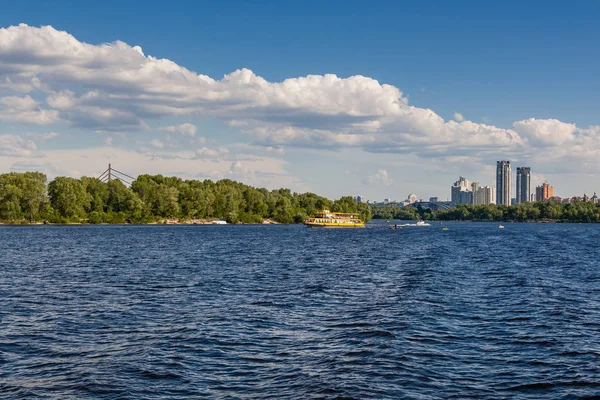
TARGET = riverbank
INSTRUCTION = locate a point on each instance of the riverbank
(167, 221)
(538, 221)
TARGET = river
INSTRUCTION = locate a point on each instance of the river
(285, 311)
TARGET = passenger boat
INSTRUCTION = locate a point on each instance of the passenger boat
(328, 219)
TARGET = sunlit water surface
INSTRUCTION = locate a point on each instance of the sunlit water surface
(178, 312)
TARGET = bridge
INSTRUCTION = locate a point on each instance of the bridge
(111, 174)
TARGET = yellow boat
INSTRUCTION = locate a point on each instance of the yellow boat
(328, 219)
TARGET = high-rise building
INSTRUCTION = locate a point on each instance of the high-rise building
(484, 195)
(523, 184)
(544, 192)
(503, 182)
(459, 190)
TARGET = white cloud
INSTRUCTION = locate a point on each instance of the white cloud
(25, 110)
(546, 132)
(157, 143)
(16, 146)
(126, 87)
(42, 136)
(276, 150)
(380, 177)
(49, 136)
(186, 129)
(49, 77)
(206, 152)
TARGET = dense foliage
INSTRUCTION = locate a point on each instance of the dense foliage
(538, 211)
(26, 197)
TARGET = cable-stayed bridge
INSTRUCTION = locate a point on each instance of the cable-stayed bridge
(111, 174)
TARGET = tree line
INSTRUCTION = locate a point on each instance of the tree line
(538, 211)
(28, 197)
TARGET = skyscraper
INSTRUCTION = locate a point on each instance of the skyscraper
(503, 182)
(523, 184)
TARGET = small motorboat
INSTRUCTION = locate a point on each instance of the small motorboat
(500, 226)
(419, 223)
(445, 228)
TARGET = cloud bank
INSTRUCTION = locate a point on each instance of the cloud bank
(49, 78)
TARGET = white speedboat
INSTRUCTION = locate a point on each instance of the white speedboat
(219, 222)
(500, 226)
(419, 223)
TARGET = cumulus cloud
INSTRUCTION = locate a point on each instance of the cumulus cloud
(186, 129)
(25, 110)
(546, 132)
(206, 152)
(49, 77)
(16, 146)
(125, 87)
(381, 177)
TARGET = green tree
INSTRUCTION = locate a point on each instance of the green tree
(68, 197)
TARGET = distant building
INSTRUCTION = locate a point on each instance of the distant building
(503, 182)
(594, 199)
(358, 199)
(412, 198)
(484, 195)
(523, 184)
(544, 192)
(433, 199)
(466, 197)
(461, 192)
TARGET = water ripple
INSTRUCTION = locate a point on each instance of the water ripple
(176, 312)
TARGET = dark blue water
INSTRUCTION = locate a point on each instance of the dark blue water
(176, 312)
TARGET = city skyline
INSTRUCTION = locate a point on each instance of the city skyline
(465, 191)
(335, 98)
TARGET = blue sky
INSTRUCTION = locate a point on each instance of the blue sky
(495, 64)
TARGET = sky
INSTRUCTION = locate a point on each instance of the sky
(378, 99)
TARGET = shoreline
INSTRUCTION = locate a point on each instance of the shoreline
(266, 221)
(541, 221)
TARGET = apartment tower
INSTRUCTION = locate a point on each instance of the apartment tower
(544, 192)
(503, 182)
(523, 184)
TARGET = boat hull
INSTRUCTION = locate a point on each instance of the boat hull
(334, 225)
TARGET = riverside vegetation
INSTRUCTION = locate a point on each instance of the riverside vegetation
(542, 211)
(27, 197)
